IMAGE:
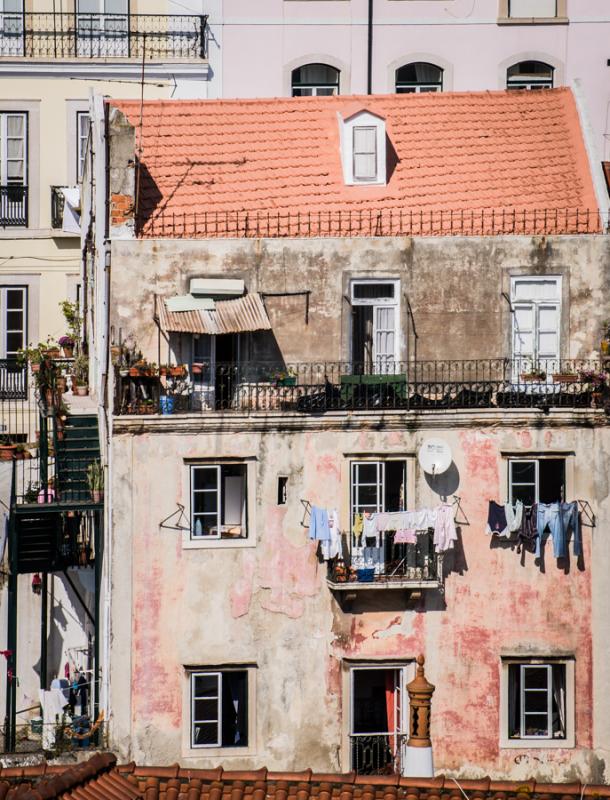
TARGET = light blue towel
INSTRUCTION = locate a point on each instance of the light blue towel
(318, 525)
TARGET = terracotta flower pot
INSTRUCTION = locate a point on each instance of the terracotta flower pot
(68, 350)
(7, 451)
(81, 390)
(52, 352)
(97, 495)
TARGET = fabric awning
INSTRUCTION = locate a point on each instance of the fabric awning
(242, 314)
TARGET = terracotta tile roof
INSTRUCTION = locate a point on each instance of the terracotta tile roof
(91, 780)
(456, 153)
(217, 784)
(100, 778)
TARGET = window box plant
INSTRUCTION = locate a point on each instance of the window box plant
(286, 377)
(95, 481)
(532, 372)
(567, 376)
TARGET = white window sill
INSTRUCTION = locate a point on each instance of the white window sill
(538, 744)
(533, 21)
(218, 752)
(216, 544)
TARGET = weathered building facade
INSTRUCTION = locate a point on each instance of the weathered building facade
(320, 332)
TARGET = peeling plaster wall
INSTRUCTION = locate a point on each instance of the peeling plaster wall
(269, 605)
(453, 284)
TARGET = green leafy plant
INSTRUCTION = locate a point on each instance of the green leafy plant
(71, 312)
(81, 369)
(95, 476)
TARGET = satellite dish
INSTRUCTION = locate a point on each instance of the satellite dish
(434, 456)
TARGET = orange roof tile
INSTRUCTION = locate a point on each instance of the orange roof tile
(454, 152)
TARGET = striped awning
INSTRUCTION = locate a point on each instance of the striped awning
(239, 315)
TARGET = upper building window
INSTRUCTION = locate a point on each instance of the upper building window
(13, 169)
(419, 77)
(523, 9)
(219, 708)
(218, 501)
(11, 27)
(536, 304)
(374, 325)
(530, 75)
(103, 28)
(315, 79)
(363, 148)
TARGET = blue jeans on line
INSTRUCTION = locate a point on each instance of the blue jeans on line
(550, 514)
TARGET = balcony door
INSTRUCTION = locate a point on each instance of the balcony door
(103, 28)
(13, 322)
(13, 169)
(11, 27)
(536, 306)
(377, 719)
(374, 326)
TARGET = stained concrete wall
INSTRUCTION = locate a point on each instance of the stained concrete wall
(269, 605)
(454, 286)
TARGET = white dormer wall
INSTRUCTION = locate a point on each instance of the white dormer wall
(363, 149)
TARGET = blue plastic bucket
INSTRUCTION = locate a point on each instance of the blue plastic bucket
(167, 404)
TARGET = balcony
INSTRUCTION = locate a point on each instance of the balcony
(377, 753)
(317, 388)
(13, 206)
(71, 35)
(388, 565)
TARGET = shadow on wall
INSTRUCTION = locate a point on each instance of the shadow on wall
(149, 196)
(391, 158)
(445, 484)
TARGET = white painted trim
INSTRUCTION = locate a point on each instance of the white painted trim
(532, 55)
(70, 70)
(428, 58)
(317, 58)
(367, 119)
(588, 134)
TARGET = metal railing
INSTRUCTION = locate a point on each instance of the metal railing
(13, 206)
(57, 207)
(370, 222)
(348, 386)
(383, 560)
(54, 738)
(377, 753)
(78, 35)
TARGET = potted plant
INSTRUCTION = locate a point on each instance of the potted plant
(595, 382)
(71, 312)
(7, 448)
(80, 377)
(95, 480)
(67, 345)
(61, 415)
(533, 372)
(566, 375)
(22, 452)
(51, 350)
(287, 377)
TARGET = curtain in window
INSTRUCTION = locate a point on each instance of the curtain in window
(234, 709)
(389, 705)
(514, 726)
(316, 73)
(419, 72)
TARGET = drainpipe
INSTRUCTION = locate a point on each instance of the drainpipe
(369, 64)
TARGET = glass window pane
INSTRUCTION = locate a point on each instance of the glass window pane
(116, 6)
(364, 139)
(205, 525)
(536, 701)
(373, 291)
(205, 710)
(205, 478)
(14, 298)
(536, 678)
(205, 502)
(527, 494)
(14, 342)
(367, 497)
(536, 725)
(205, 685)
(15, 148)
(14, 170)
(523, 471)
(367, 473)
(205, 733)
(365, 166)
(15, 125)
(14, 320)
(88, 6)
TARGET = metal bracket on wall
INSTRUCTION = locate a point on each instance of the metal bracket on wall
(587, 516)
(306, 511)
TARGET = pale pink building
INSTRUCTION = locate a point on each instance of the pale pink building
(457, 45)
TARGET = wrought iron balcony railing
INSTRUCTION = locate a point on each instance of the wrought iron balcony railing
(377, 753)
(315, 388)
(13, 206)
(57, 207)
(384, 563)
(76, 35)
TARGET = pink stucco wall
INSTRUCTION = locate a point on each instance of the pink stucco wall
(258, 44)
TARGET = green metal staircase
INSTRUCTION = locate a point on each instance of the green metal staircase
(79, 447)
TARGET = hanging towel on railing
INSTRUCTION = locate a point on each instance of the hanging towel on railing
(444, 529)
(332, 547)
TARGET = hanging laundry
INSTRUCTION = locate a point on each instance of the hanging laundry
(570, 519)
(358, 526)
(558, 518)
(528, 532)
(332, 547)
(318, 525)
(514, 516)
(406, 536)
(496, 519)
(444, 529)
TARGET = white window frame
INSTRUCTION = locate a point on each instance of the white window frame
(523, 669)
(217, 469)
(4, 329)
(380, 463)
(316, 89)
(218, 698)
(362, 119)
(536, 461)
(191, 750)
(514, 82)
(414, 87)
(538, 742)
(516, 9)
(4, 159)
(536, 305)
(361, 151)
(380, 302)
(81, 142)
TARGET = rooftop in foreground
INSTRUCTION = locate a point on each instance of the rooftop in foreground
(101, 777)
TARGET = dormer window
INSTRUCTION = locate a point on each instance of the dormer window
(365, 153)
(363, 149)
